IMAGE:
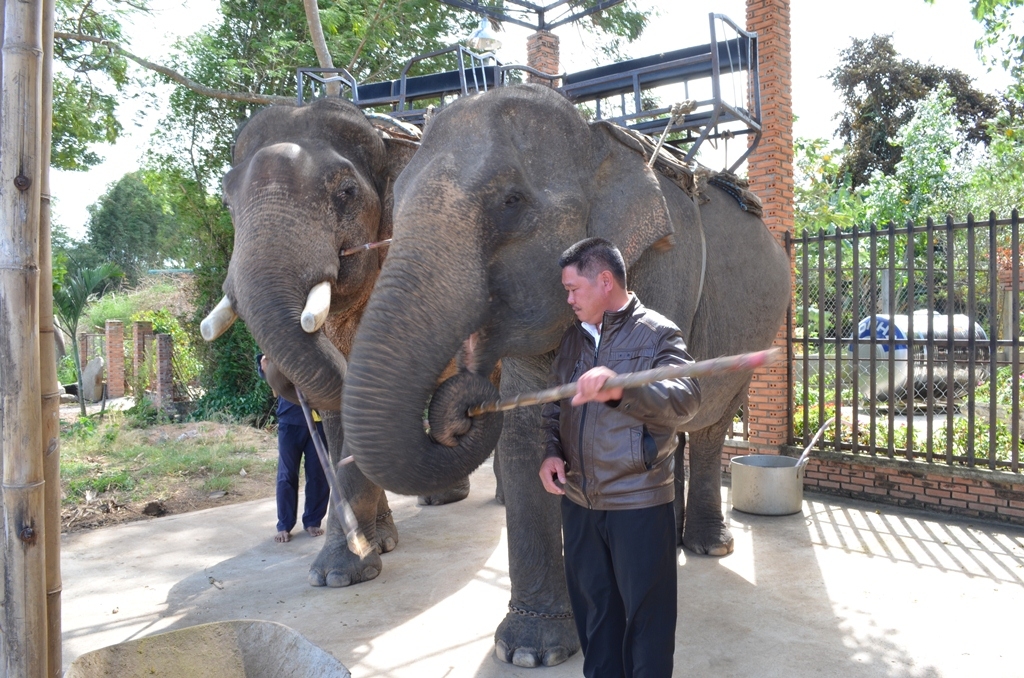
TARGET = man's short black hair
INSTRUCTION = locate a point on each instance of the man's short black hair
(593, 255)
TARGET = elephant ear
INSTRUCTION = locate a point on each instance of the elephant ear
(399, 152)
(627, 207)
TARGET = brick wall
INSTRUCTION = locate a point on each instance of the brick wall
(978, 494)
(140, 330)
(770, 171)
(990, 495)
(542, 55)
(164, 387)
(115, 358)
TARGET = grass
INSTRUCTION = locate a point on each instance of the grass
(110, 456)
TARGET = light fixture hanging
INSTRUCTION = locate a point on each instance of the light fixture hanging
(483, 39)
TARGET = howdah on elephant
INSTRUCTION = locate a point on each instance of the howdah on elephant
(306, 184)
(502, 184)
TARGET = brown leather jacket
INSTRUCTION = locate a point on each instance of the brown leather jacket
(619, 455)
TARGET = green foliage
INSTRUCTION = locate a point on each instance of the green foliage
(87, 79)
(824, 198)
(69, 301)
(185, 361)
(130, 226)
(113, 456)
(880, 91)
(926, 180)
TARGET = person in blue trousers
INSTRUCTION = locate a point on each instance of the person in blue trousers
(294, 441)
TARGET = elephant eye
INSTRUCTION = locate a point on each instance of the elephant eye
(513, 200)
(343, 196)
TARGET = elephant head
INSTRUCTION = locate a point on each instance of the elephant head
(307, 183)
(482, 213)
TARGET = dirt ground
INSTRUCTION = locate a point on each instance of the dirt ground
(175, 494)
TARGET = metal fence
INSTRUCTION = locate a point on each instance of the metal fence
(906, 342)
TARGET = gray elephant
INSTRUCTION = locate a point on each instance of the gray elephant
(502, 184)
(306, 184)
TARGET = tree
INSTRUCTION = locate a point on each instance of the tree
(880, 92)
(70, 298)
(129, 226)
(927, 181)
(1003, 21)
(87, 79)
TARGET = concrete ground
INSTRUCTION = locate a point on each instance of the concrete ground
(845, 589)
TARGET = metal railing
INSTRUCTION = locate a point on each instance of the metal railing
(908, 341)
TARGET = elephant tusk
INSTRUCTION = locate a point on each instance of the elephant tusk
(220, 319)
(318, 304)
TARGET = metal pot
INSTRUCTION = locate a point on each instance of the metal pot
(767, 484)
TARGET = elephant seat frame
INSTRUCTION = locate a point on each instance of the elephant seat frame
(713, 118)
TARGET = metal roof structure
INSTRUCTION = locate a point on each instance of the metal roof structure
(535, 15)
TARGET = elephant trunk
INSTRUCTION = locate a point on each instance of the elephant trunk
(270, 296)
(391, 381)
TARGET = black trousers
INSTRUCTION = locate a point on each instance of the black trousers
(294, 441)
(620, 567)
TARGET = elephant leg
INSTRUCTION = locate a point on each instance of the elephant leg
(387, 533)
(456, 492)
(538, 629)
(336, 565)
(704, 528)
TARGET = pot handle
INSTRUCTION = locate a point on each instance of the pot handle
(807, 450)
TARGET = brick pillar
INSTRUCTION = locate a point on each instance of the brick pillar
(164, 387)
(140, 330)
(770, 171)
(542, 55)
(83, 349)
(115, 359)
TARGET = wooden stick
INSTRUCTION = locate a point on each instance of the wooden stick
(367, 246)
(356, 541)
(705, 368)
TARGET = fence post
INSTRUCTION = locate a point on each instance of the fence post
(115, 358)
(770, 172)
(164, 374)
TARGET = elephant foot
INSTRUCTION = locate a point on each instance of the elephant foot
(535, 641)
(713, 539)
(456, 492)
(336, 566)
(387, 533)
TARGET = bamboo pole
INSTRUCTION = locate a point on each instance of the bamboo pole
(24, 645)
(48, 366)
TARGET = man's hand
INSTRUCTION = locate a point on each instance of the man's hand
(553, 468)
(588, 387)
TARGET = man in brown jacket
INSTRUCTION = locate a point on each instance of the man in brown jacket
(610, 453)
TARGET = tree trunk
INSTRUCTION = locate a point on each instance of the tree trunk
(316, 33)
(24, 646)
(48, 366)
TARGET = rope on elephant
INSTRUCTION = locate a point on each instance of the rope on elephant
(677, 113)
(356, 541)
(705, 368)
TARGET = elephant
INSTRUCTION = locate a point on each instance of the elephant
(503, 183)
(306, 184)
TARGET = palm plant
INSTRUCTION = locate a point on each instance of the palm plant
(70, 297)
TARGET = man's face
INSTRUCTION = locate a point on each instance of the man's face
(588, 298)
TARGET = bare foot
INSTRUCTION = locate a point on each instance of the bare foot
(282, 537)
(314, 531)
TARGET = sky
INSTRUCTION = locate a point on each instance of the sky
(942, 33)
